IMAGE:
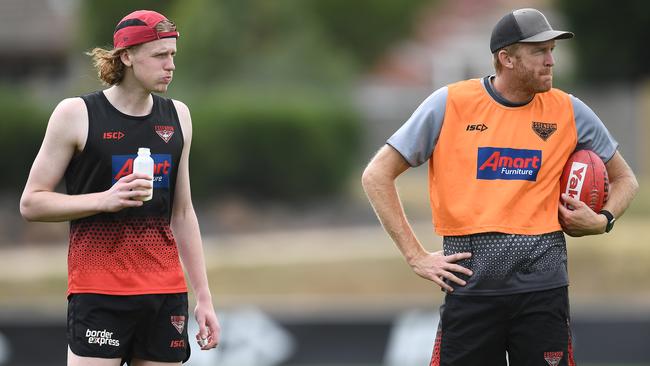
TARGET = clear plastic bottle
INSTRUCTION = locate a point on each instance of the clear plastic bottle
(144, 164)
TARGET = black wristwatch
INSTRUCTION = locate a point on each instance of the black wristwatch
(610, 220)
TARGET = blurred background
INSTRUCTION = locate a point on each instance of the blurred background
(290, 99)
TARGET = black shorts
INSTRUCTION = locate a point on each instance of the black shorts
(533, 328)
(148, 327)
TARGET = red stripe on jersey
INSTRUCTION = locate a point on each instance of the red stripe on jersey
(137, 255)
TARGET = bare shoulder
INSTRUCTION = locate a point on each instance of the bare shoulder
(71, 108)
(184, 116)
(70, 114)
(182, 110)
(69, 120)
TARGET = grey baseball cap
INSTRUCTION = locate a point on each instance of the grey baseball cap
(523, 25)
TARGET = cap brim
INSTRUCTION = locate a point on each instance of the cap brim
(548, 35)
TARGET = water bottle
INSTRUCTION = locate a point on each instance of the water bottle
(144, 164)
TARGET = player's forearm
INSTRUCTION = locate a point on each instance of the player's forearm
(188, 236)
(622, 190)
(49, 206)
(622, 185)
(383, 197)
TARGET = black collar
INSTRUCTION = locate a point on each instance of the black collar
(487, 82)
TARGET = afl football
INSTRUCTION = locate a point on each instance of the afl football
(585, 178)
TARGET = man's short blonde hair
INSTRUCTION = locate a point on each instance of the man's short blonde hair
(512, 50)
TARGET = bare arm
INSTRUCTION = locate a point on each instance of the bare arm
(66, 135)
(622, 185)
(622, 188)
(379, 184)
(188, 236)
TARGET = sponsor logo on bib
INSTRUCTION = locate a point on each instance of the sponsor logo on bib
(508, 164)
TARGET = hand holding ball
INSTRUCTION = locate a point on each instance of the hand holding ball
(585, 178)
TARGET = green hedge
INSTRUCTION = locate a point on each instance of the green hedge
(281, 147)
(23, 126)
(273, 146)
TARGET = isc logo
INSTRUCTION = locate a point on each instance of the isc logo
(480, 127)
(576, 179)
(113, 135)
(508, 164)
(122, 165)
(177, 343)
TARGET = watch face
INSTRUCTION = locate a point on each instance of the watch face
(610, 219)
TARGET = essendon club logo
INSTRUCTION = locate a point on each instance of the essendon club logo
(122, 165)
(544, 130)
(508, 164)
(178, 321)
(553, 358)
(165, 132)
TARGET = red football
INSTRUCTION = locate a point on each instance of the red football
(585, 177)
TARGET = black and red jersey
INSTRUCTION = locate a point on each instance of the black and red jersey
(132, 251)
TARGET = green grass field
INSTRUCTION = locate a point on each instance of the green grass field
(344, 268)
(349, 267)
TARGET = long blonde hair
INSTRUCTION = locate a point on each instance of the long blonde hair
(110, 68)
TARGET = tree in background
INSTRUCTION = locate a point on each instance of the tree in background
(100, 18)
(611, 38)
(269, 84)
(256, 41)
(281, 40)
(365, 28)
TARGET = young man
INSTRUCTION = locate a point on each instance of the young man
(127, 296)
(504, 261)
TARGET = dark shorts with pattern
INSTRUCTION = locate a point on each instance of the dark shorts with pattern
(533, 328)
(147, 327)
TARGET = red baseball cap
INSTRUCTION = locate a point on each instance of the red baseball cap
(140, 27)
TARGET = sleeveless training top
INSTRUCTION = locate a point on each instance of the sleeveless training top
(505, 178)
(499, 155)
(132, 251)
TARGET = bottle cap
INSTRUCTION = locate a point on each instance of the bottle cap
(144, 150)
